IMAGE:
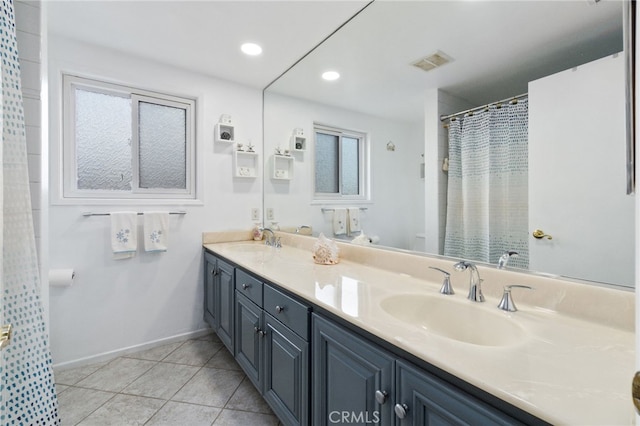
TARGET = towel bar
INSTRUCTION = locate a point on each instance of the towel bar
(324, 210)
(139, 213)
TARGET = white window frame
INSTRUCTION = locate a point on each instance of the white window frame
(70, 175)
(363, 162)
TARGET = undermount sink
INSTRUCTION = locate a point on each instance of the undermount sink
(457, 320)
(255, 252)
(251, 247)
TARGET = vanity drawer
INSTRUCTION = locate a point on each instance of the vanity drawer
(288, 311)
(249, 286)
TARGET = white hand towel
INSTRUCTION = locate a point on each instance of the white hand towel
(124, 234)
(354, 220)
(156, 231)
(339, 221)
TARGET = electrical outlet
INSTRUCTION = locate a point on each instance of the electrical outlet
(255, 213)
(270, 214)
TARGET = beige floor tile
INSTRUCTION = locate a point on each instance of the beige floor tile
(245, 418)
(210, 386)
(194, 352)
(178, 413)
(75, 404)
(156, 354)
(74, 375)
(116, 375)
(124, 410)
(223, 359)
(247, 398)
(61, 388)
(162, 381)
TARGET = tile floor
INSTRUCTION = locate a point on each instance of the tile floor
(195, 382)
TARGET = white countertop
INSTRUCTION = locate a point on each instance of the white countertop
(562, 369)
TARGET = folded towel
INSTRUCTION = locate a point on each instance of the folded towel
(354, 220)
(124, 234)
(339, 221)
(156, 231)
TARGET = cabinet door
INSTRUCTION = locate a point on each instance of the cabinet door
(348, 374)
(210, 297)
(286, 373)
(249, 337)
(423, 399)
(226, 291)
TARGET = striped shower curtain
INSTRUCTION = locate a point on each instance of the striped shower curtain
(27, 390)
(487, 197)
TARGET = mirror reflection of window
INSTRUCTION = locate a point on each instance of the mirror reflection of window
(339, 163)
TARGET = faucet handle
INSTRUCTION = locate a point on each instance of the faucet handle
(446, 282)
(506, 303)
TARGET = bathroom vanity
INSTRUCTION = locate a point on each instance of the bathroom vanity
(371, 339)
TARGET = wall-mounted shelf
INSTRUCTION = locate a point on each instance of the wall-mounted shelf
(282, 167)
(298, 141)
(245, 164)
(224, 133)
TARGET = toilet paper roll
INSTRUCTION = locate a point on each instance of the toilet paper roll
(61, 277)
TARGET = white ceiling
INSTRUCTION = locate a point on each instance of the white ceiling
(205, 36)
(497, 46)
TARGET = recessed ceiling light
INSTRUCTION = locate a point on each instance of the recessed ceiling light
(251, 49)
(331, 75)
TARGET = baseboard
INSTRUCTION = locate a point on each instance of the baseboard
(107, 356)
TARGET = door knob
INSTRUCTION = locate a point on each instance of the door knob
(539, 233)
(635, 391)
(5, 336)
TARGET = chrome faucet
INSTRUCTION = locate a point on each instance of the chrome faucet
(475, 289)
(270, 241)
(504, 259)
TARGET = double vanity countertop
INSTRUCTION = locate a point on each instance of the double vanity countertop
(544, 359)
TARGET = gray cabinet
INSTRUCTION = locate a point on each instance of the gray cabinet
(272, 354)
(352, 379)
(423, 399)
(249, 337)
(218, 298)
(286, 378)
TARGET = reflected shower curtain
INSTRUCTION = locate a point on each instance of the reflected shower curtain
(27, 390)
(487, 205)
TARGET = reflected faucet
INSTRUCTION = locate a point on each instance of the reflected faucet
(301, 227)
(504, 259)
(475, 290)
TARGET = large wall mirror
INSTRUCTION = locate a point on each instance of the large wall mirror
(567, 56)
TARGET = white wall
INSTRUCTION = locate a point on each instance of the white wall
(114, 305)
(396, 210)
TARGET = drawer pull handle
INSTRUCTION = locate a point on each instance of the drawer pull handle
(401, 410)
(246, 286)
(279, 309)
(381, 396)
(214, 272)
(262, 333)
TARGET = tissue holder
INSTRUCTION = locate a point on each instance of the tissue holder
(325, 251)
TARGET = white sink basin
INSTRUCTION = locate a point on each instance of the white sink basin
(251, 247)
(255, 252)
(457, 320)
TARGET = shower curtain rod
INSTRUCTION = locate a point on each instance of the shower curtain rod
(513, 98)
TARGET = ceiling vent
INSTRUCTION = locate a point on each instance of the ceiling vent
(432, 61)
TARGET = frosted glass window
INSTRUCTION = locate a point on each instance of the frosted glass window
(103, 141)
(121, 142)
(340, 163)
(327, 176)
(162, 145)
(350, 166)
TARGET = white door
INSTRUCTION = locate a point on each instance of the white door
(578, 157)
